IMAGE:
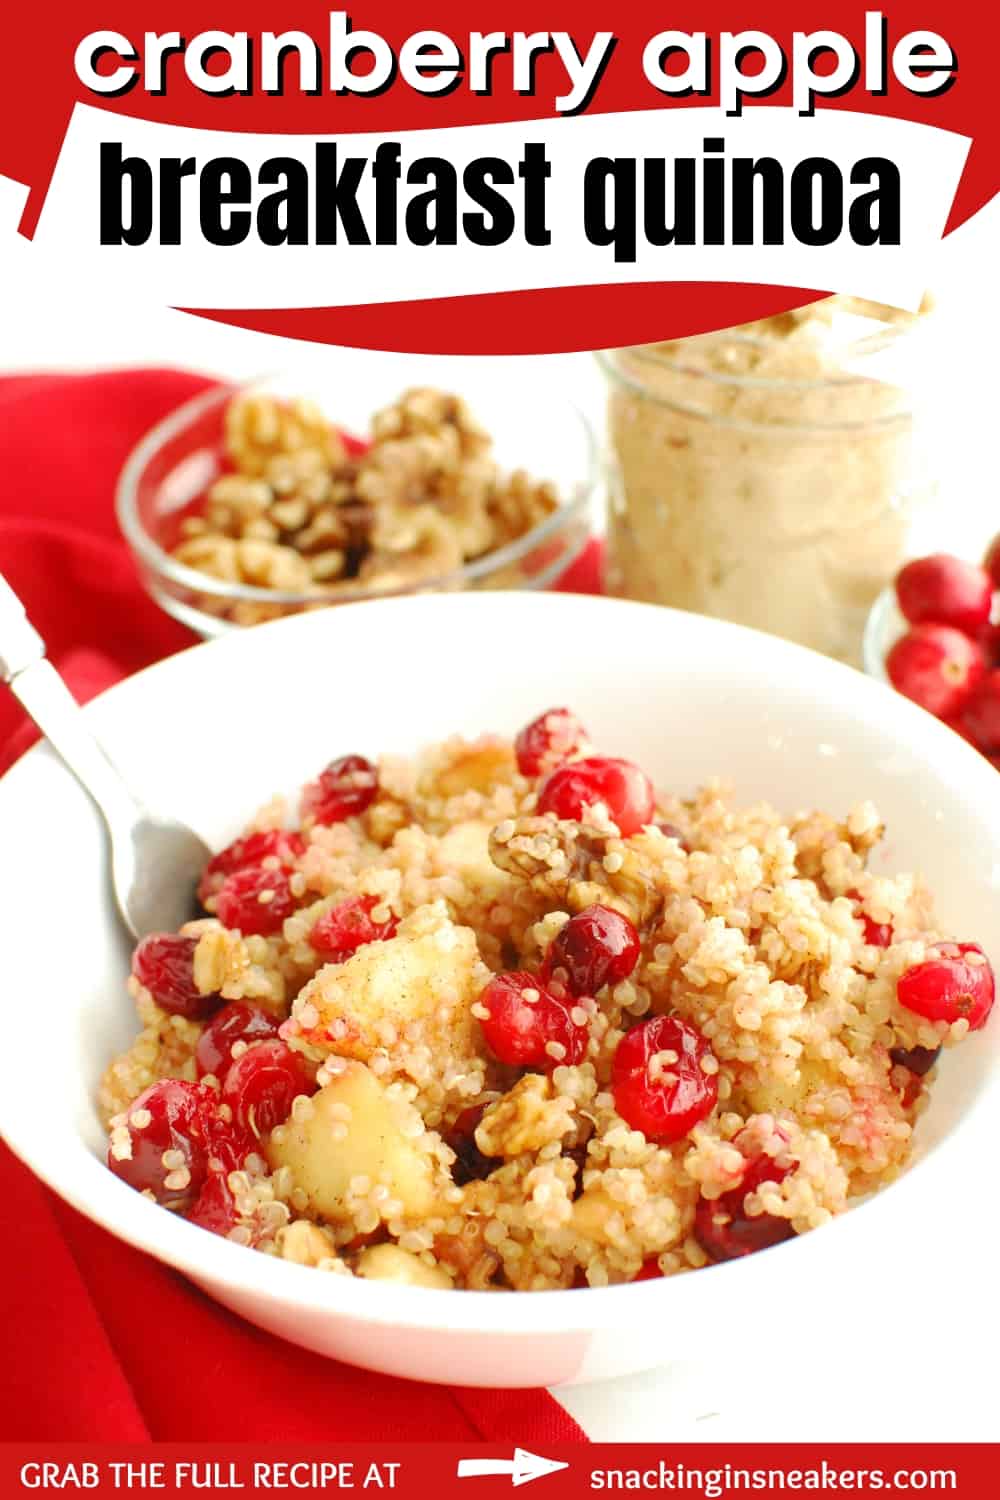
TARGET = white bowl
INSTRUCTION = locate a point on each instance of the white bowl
(214, 731)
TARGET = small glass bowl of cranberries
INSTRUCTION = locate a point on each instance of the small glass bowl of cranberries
(250, 502)
(934, 635)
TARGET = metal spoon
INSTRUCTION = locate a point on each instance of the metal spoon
(155, 862)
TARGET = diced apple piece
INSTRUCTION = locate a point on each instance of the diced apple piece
(354, 1129)
(390, 1263)
(429, 975)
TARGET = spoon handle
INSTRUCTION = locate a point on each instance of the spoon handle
(37, 685)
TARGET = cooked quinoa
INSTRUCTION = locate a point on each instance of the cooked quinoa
(501, 1016)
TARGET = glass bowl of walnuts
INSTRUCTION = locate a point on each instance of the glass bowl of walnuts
(250, 502)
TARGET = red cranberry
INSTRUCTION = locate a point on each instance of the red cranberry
(959, 728)
(255, 900)
(879, 934)
(259, 1086)
(666, 1100)
(164, 963)
(470, 1164)
(991, 562)
(980, 714)
(954, 985)
(229, 1145)
(650, 1270)
(548, 741)
(947, 590)
(246, 852)
(626, 792)
(214, 1208)
(347, 926)
(919, 1060)
(596, 947)
(524, 1019)
(343, 790)
(937, 666)
(726, 1231)
(989, 643)
(171, 1116)
(234, 1023)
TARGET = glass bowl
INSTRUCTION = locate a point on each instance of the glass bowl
(884, 626)
(169, 470)
(968, 537)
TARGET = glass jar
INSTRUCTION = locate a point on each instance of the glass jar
(767, 474)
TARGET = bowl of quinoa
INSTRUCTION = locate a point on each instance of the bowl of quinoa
(650, 993)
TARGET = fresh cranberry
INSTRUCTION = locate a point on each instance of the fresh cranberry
(164, 963)
(989, 644)
(626, 792)
(470, 1164)
(524, 1018)
(879, 934)
(259, 1086)
(170, 1116)
(946, 590)
(215, 1207)
(667, 1102)
(726, 1231)
(229, 1144)
(980, 715)
(347, 926)
(650, 1270)
(596, 947)
(548, 741)
(937, 666)
(919, 1060)
(991, 562)
(343, 790)
(255, 900)
(247, 852)
(234, 1023)
(956, 984)
(959, 728)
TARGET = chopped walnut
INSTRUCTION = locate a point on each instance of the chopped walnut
(235, 967)
(260, 427)
(424, 547)
(303, 516)
(572, 866)
(305, 1243)
(518, 503)
(422, 410)
(527, 1118)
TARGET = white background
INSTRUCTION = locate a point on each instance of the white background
(73, 323)
(885, 1382)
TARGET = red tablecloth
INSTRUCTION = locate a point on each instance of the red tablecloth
(99, 1341)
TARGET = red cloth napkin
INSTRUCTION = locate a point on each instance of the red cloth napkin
(101, 1342)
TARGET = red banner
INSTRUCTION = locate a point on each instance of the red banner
(714, 1472)
(47, 79)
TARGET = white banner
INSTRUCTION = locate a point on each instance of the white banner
(196, 273)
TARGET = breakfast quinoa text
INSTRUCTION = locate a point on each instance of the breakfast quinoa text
(506, 1017)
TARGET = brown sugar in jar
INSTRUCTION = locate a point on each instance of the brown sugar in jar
(763, 475)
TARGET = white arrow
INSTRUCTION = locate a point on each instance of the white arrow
(522, 1468)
